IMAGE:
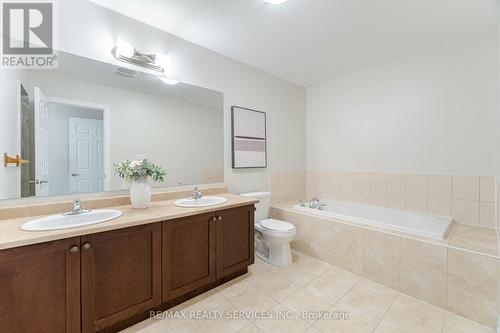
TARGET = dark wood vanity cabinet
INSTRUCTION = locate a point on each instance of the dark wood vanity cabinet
(198, 250)
(189, 246)
(106, 281)
(235, 240)
(121, 275)
(40, 288)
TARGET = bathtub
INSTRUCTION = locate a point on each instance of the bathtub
(436, 227)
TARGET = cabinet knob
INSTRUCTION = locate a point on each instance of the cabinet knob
(87, 246)
(213, 218)
(219, 218)
(74, 249)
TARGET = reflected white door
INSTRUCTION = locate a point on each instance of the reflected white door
(42, 115)
(86, 155)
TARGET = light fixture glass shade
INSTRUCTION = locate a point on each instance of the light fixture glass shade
(124, 49)
(164, 61)
(169, 81)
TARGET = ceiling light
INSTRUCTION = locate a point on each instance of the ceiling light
(275, 2)
(169, 81)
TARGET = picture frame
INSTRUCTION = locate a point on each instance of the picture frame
(249, 138)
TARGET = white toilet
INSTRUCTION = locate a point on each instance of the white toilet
(272, 237)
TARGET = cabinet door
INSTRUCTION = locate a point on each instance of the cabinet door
(40, 288)
(235, 240)
(121, 275)
(188, 254)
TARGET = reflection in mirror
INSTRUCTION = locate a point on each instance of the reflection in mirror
(72, 124)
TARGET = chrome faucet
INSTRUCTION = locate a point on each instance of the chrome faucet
(197, 194)
(77, 208)
(314, 203)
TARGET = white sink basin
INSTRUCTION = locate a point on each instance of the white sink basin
(202, 202)
(61, 221)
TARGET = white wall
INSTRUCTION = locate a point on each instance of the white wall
(59, 115)
(431, 113)
(10, 177)
(90, 30)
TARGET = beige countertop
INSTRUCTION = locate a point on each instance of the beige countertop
(12, 236)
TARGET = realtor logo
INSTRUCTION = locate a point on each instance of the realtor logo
(28, 35)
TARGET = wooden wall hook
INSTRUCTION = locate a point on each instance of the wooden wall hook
(11, 160)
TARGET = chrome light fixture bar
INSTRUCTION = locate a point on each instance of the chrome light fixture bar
(127, 53)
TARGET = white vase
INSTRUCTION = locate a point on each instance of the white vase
(140, 194)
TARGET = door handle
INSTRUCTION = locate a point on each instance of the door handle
(75, 174)
(38, 181)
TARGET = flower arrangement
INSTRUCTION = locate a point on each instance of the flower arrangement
(139, 170)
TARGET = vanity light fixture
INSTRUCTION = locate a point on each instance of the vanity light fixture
(275, 2)
(127, 53)
(158, 63)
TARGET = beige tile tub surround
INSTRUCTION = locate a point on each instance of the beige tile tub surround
(288, 186)
(381, 257)
(468, 199)
(423, 271)
(12, 236)
(461, 274)
(373, 307)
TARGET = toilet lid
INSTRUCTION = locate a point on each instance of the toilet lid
(277, 225)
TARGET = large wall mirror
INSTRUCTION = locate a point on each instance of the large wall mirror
(72, 124)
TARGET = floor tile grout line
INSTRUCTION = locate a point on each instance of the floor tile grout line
(298, 317)
(387, 311)
(357, 283)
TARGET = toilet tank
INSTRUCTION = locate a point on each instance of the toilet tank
(262, 207)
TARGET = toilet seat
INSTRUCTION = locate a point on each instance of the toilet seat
(277, 225)
(276, 228)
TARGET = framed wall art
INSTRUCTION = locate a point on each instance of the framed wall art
(248, 138)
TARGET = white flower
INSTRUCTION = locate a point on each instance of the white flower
(135, 163)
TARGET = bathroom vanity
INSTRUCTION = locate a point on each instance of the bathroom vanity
(106, 281)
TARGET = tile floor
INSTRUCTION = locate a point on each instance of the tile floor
(314, 287)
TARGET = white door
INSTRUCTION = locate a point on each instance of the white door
(86, 155)
(42, 114)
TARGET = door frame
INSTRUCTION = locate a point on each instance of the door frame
(106, 109)
(18, 126)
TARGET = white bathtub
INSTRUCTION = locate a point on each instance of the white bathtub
(436, 227)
